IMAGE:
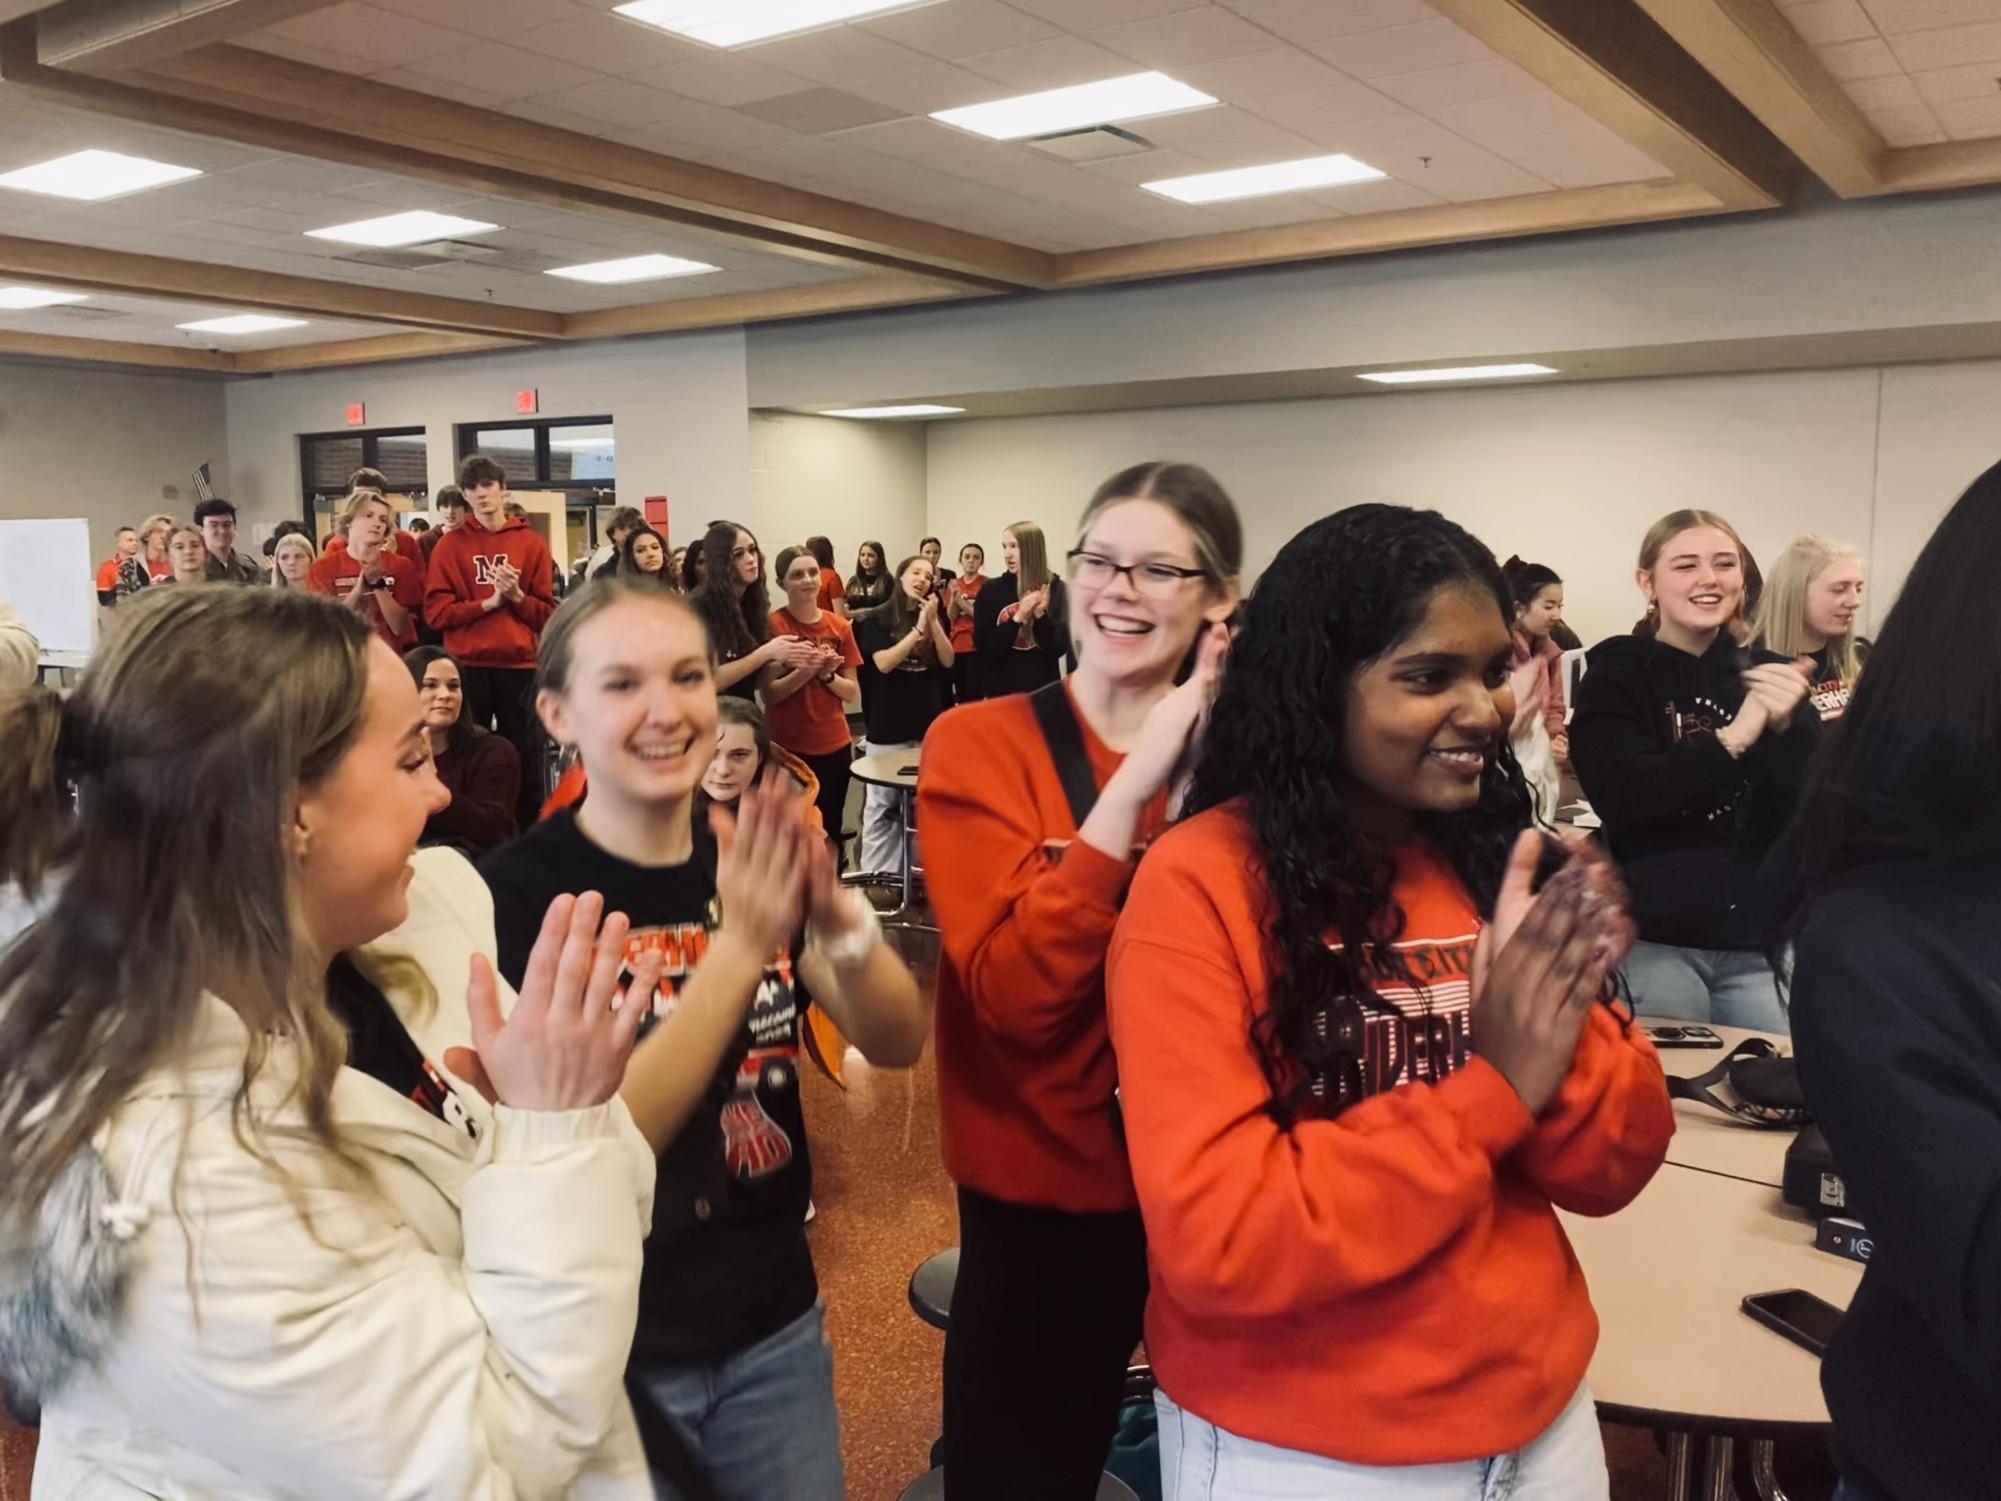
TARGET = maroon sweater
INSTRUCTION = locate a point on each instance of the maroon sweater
(484, 780)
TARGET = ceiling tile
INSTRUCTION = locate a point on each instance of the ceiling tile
(1316, 20)
(1267, 212)
(1921, 50)
(1052, 64)
(379, 36)
(613, 101)
(1970, 119)
(1402, 49)
(1147, 166)
(488, 18)
(1434, 89)
(922, 91)
(1540, 122)
(961, 28)
(689, 128)
(1910, 125)
(818, 111)
(1431, 157)
(1258, 75)
(491, 73)
(1870, 59)
(1083, 15)
(1899, 92)
(1226, 137)
(1893, 17)
(1566, 167)
(610, 44)
(1385, 196)
(1187, 36)
(1319, 114)
(839, 55)
(1822, 22)
(1975, 82)
(723, 78)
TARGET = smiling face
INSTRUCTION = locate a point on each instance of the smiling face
(441, 694)
(218, 534)
(916, 579)
(1697, 582)
(1834, 598)
(735, 766)
(1425, 718)
(802, 584)
(361, 821)
(640, 705)
(648, 556)
(1131, 637)
(1541, 613)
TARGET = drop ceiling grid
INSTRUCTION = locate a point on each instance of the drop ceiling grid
(1390, 81)
(148, 321)
(1923, 71)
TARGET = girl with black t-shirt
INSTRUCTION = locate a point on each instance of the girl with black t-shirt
(747, 913)
(736, 608)
(910, 646)
(869, 584)
(1809, 613)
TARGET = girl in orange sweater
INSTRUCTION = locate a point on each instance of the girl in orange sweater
(1026, 884)
(1361, 1059)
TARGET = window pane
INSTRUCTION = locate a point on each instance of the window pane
(513, 448)
(328, 463)
(581, 455)
(401, 460)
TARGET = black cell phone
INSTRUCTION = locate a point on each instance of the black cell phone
(1681, 1035)
(1807, 1321)
(907, 771)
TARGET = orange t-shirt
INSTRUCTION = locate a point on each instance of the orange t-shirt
(831, 590)
(338, 574)
(813, 722)
(962, 627)
(1385, 1283)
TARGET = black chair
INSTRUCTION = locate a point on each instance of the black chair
(931, 1288)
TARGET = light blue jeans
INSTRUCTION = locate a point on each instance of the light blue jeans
(762, 1420)
(1720, 986)
(1201, 1462)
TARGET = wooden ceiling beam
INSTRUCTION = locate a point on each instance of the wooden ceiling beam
(115, 352)
(104, 36)
(338, 352)
(1616, 64)
(1758, 55)
(88, 269)
(857, 295)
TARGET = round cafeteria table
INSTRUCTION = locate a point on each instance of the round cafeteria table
(897, 769)
(1675, 1352)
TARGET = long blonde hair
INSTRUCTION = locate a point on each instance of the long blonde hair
(152, 524)
(1782, 618)
(186, 742)
(1032, 572)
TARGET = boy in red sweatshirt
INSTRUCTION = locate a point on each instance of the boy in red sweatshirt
(490, 592)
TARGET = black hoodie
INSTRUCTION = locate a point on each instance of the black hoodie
(1687, 822)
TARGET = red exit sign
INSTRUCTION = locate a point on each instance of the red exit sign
(527, 403)
(357, 414)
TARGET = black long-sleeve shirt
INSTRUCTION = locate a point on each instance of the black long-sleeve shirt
(1896, 1017)
(1012, 663)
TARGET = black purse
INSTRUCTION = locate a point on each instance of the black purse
(1764, 1087)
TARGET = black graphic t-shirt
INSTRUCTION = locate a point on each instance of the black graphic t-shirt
(727, 1263)
(379, 1045)
(906, 700)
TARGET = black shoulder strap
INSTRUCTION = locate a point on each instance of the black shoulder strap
(1065, 739)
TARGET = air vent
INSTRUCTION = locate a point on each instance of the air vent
(79, 313)
(453, 253)
(1096, 143)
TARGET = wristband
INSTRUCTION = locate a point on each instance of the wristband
(853, 947)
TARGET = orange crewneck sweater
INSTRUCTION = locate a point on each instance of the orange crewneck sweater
(1388, 1286)
(1025, 1069)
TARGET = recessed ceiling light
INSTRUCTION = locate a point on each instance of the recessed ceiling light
(1455, 372)
(731, 23)
(1133, 97)
(392, 230)
(91, 175)
(915, 409)
(634, 268)
(241, 323)
(20, 299)
(1273, 177)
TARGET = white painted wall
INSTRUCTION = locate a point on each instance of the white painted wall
(678, 406)
(851, 480)
(108, 445)
(1570, 476)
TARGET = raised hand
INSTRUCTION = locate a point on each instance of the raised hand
(1165, 745)
(763, 852)
(565, 1045)
(1779, 687)
(1531, 1002)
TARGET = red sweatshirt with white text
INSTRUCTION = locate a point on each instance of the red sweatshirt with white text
(461, 579)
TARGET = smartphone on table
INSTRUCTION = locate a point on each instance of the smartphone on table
(1681, 1035)
(1807, 1321)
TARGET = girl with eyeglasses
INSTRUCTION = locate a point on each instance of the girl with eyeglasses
(1020, 623)
(1052, 1272)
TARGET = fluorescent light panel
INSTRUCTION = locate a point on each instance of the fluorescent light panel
(634, 268)
(1133, 97)
(413, 228)
(22, 299)
(95, 175)
(1273, 177)
(731, 23)
(915, 409)
(1455, 372)
(241, 323)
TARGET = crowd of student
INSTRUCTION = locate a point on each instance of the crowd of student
(1273, 1021)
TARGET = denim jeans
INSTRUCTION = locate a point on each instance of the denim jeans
(882, 818)
(762, 1420)
(1201, 1462)
(1726, 988)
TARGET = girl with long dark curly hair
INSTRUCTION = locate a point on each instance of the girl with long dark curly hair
(1361, 1058)
(1029, 849)
(735, 605)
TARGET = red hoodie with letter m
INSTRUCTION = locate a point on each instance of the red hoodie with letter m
(461, 580)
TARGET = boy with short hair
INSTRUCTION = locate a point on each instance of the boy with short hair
(215, 519)
(491, 590)
(123, 572)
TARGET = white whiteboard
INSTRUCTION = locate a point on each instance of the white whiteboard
(47, 574)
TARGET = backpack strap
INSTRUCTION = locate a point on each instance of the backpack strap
(1065, 739)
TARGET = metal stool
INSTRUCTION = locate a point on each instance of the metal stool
(931, 1288)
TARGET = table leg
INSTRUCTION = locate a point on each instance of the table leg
(1680, 1466)
(1717, 1454)
(1763, 1475)
(909, 820)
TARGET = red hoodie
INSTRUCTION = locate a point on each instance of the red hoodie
(461, 579)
